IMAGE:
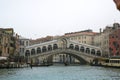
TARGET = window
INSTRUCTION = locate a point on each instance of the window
(23, 50)
(38, 50)
(71, 46)
(44, 49)
(85, 37)
(27, 53)
(49, 47)
(55, 46)
(20, 50)
(26, 43)
(112, 36)
(77, 47)
(82, 49)
(93, 51)
(84, 41)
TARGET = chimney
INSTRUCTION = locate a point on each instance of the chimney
(100, 30)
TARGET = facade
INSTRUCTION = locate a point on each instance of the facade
(114, 43)
(105, 40)
(84, 37)
(8, 42)
(102, 40)
(23, 42)
(4, 43)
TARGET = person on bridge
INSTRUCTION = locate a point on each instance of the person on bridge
(117, 2)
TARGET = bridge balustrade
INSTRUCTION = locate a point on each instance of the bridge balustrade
(85, 51)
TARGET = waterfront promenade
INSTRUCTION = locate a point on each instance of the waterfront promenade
(61, 73)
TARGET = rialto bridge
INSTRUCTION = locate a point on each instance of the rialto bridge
(42, 52)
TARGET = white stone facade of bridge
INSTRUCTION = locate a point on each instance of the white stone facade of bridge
(62, 43)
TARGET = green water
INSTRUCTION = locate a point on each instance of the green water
(61, 73)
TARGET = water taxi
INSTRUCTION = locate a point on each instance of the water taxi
(112, 62)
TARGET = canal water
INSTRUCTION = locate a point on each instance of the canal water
(61, 73)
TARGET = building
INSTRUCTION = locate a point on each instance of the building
(23, 43)
(114, 41)
(85, 37)
(41, 40)
(4, 43)
(8, 42)
(106, 40)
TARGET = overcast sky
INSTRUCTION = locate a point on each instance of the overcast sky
(39, 18)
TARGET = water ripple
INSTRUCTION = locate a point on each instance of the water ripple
(61, 73)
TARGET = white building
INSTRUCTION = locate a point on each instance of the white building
(24, 42)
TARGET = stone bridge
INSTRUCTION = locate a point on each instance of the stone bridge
(44, 51)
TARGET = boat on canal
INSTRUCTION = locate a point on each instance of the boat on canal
(112, 62)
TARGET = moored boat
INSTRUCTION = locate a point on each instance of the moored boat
(112, 62)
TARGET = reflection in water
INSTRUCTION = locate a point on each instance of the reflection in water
(61, 73)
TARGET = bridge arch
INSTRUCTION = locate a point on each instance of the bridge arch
(33, 52)
(88, 50)
(77, 47)
(49, 47)
(93, 51)
(38, 50)
(98, 53)
(63, 43)
(71, 46)
(55, 46)
(81, 60)
(44, 49)
(82, 49)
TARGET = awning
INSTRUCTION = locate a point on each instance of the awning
(3, 58)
